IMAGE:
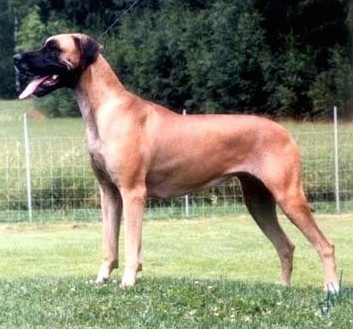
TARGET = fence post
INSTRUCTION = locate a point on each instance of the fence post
(337, 187)
(186, 197)
(28, 167)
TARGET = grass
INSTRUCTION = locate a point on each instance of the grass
(218, 272)
(164, 303)
(11, 122)
(209, 273)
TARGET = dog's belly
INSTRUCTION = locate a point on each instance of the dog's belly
(172, 190)
(177, 183)
(180, 173)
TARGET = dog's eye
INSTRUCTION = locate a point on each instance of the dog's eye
(51, 46)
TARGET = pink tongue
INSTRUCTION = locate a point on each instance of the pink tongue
(31, 88)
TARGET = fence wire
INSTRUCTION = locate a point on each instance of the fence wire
(63, 185)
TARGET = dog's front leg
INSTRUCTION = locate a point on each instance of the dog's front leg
(134, 201)
(111, 204)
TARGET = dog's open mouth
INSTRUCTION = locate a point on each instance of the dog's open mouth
(39, 85)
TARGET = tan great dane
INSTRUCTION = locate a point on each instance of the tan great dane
(139, 149)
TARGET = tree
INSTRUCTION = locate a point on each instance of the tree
(302, 37)
(7, 72)
(279, 57)
(210, 62)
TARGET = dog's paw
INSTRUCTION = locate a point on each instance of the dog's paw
(333, 288)
(103, 276)
(129, 278)
(100, 280)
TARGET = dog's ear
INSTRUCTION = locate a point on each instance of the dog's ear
(89, 50)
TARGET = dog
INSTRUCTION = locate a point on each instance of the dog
(138, 148)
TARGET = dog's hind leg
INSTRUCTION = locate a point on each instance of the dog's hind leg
(111, 213)
(297, 209)
(262, 207)
(282, 177)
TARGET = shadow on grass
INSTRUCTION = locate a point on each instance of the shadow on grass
(74, 302)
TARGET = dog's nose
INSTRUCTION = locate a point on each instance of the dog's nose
(17, 58)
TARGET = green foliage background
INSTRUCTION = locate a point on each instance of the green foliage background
(280, 58)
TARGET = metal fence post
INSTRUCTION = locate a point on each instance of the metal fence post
(186, 197)
(337, 186)
(28, 167)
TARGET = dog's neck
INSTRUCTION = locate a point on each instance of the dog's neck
(92, 93)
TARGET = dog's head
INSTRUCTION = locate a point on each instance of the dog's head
(57, 64)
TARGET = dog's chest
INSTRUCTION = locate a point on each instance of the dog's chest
(97, 155)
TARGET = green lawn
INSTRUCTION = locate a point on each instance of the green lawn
(11, 122)
(206, 273)
(218, 272)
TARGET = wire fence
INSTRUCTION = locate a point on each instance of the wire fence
(52, 180)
